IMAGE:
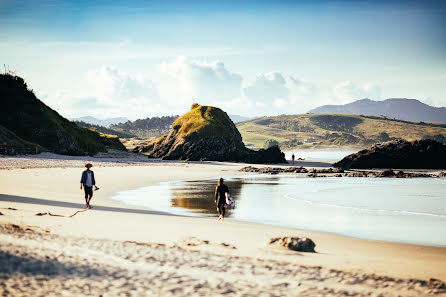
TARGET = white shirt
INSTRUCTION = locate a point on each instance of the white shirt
(89, 181)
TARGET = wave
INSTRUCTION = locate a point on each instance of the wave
(406, 212)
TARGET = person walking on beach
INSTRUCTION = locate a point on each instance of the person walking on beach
(220, 198)
(292, 158)
(88, 181)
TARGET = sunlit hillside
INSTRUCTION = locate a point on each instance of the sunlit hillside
(330, 130)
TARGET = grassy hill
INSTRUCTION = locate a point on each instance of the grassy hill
(334, 130)
(30, 120)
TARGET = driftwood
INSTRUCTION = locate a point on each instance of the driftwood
(57, 215)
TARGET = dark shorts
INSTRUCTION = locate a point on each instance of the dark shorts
(88, 191)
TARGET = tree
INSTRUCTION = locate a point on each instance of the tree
(271, 142)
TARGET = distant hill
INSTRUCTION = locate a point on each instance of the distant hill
(164, 122)
(238, 118)
(105, 122)
(104, 130)
(403, 109)
(334, 130)
(27, 121)
(148, 127)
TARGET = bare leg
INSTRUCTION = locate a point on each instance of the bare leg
(89, 198)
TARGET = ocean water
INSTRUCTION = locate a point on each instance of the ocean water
(396, 210)
(320, 154)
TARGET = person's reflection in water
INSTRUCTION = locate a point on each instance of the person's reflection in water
(220, 198)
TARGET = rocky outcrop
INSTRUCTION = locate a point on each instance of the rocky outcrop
(419, 154)
(277, 170)
(207, 133)
(336, 172)
(294, 243)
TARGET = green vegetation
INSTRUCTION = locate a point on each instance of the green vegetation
(104, 130)
(31, 120)
(10, 143)
(205, 121)
(326, 130)
(147, 128)
(270, 142)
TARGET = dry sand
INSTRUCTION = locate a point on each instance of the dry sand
(116, 249)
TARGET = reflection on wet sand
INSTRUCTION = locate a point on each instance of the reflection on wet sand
(411, 211)
(198, 197)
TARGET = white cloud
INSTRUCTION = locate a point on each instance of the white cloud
(207, 82)
(115, 93)
(301, 86)
(74, 106)
(267, 87)
(112, 85)
(123, 94)
(280, 103)
(348, 91)
(172, 89)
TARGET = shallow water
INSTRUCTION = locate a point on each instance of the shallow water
(320, 154)
(397, 210)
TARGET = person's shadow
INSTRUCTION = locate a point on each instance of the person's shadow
(28, 200)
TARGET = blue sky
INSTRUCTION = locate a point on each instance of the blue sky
(139, 59)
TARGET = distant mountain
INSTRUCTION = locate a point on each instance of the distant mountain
(403, 109)
(27, 123)
(238, 118)
(99, 122)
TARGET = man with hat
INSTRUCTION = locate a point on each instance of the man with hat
(87, 180)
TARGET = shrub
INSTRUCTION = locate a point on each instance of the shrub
(271, 142)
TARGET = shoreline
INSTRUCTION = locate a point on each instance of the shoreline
(187, 213)
(56, 190)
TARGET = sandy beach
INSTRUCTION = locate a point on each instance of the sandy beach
(116, 249)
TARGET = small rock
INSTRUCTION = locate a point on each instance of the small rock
(295, 243)
(386, 173)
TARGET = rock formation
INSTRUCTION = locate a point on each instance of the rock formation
(207, 133)
(337, 172)
(419, 154)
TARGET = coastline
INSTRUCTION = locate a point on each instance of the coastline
(56, 190)
(173, 189)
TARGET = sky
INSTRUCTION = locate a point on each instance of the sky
(139, 59)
